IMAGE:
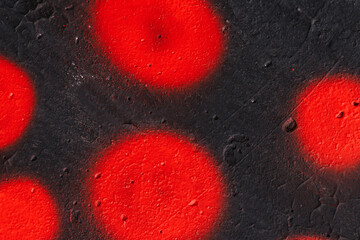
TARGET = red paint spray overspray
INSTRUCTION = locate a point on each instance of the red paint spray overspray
(166, 44)
(156, 185)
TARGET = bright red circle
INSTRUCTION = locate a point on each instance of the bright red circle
(16, 102)
(164, 43)
(156, 185)
(328, 119)
(27, 211)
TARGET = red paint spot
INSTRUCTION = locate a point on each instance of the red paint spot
(16, 102)
(164, 43)
(157, 185)
(27, 211)
(329, 119)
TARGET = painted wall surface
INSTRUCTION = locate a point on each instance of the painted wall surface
(179, 119)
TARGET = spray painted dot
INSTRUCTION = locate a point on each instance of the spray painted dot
(167, 44)
(16, 102)
(157, 185)
(27, 211)
(329, 122)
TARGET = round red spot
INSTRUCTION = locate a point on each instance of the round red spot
(328, 117)
(156, 185)
(27, 211)
(164, 43)
(16, 102)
